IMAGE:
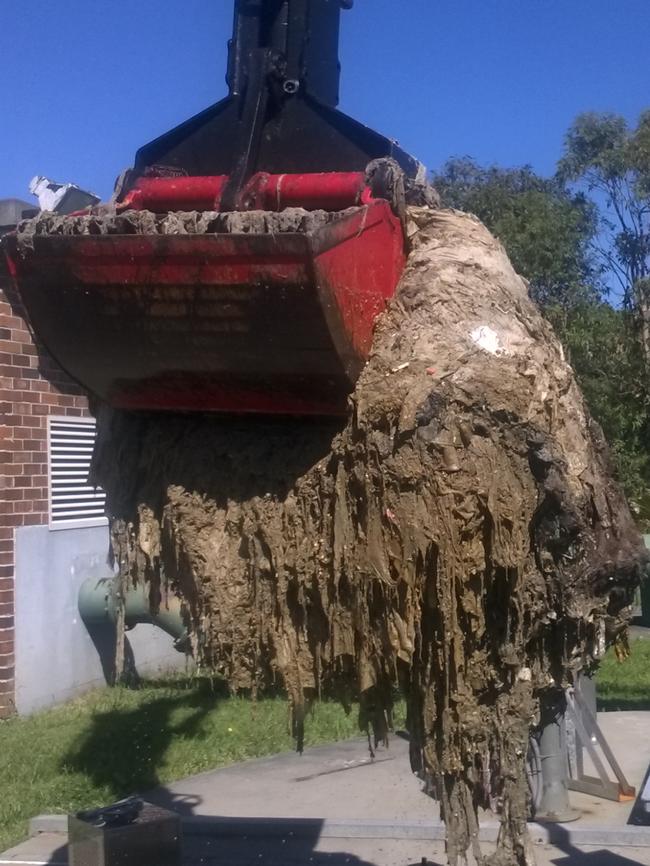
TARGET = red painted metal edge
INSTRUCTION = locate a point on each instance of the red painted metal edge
(269, 324)
(330, 191)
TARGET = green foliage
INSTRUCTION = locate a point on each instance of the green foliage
(609, 367)
(546, 230)
(625, 685)
(114, 742)
(596, 149)
(611, 161)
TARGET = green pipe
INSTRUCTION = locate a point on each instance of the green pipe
(99, 601)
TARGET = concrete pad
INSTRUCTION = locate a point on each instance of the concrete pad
(367, 812)
(628, 734)
(342, 782)
(50, 848)
(337, 782)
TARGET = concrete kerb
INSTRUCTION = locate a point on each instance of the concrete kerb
(224, 827)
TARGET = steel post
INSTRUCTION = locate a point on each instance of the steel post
(555, 806)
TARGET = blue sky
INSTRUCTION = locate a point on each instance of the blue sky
(84, 84)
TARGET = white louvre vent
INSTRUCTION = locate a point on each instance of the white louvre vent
(73, 502)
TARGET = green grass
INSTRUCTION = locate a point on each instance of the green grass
(114, 742)
(625, 685)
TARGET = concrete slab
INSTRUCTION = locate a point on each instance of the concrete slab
(364, 812)
(342, 782)
(50, 850)
(628, 734)
(336, 782)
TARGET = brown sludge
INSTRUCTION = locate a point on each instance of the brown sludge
(460, 533)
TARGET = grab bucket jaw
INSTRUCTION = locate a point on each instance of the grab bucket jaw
(273, 323)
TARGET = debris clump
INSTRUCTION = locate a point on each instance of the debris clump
(107, 220)
(459, 533)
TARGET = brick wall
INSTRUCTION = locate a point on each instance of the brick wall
(31, 388)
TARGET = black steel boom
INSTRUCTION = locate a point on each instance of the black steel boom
(280, 115)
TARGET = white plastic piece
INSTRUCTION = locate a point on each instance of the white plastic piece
(487, 339)
(60, 197)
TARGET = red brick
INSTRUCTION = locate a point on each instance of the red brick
(8, 459)
(19, 361)
(6, 621)
(12, 494)
(10, 346)
(6, 647)
(6, 573)
(34, 519)
(13, 519)
(10, 416)
(6, 609)
(6, 687)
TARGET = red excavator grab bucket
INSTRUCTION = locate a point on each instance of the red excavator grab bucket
(236, 322)
(244, 260)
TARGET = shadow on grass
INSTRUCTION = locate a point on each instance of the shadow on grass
(123, 751)
(635, 699)
(124, 747)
